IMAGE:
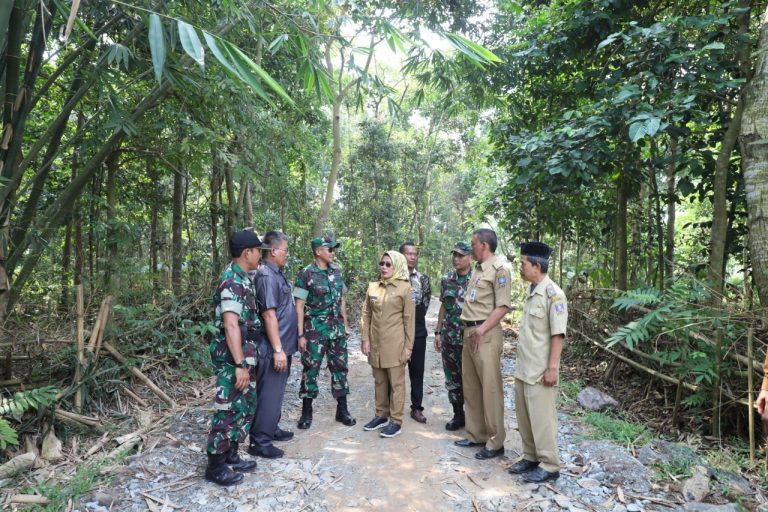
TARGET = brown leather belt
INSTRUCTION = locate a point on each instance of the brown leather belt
(472, 323)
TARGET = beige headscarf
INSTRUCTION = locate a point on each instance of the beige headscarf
(399, 267)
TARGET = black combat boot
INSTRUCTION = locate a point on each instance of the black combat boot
(306, 414)
(219, 473)
(458, 417)
(342, 413)
(236, 463)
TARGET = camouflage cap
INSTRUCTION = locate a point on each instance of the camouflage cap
(324, 241)
(462, 247)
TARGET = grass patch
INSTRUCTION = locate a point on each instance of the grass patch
(610, 426)
(569, 389)
(87, 477)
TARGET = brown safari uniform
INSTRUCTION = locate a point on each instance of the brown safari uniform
(545, 314)
(388, 324)
(487, 290)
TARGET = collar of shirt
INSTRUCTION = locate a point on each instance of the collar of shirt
(540, 289)
(237, 269)
(486, 264)
(316, 268)
(274, 268)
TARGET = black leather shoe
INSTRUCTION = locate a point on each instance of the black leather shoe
(268, 452)
(540, 475)
(219, 473)
(523, 466)
(282, 435)
(466, 443)
(485, 453)
(236, 463)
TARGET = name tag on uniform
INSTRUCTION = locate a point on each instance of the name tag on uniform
(472, 295)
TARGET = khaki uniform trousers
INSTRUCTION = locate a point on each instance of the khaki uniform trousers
(537, 422)
(390, 392)
(483, 389)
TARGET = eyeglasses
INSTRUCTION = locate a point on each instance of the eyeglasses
(385, 264)
(331, 249)
(281, 249)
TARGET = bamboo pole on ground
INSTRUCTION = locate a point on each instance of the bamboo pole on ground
(716, 386)
(138, 373)
(80, 346)
(750, 396)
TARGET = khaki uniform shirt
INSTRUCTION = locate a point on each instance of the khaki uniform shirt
(488, 289)
(388, 322)
(545, 314)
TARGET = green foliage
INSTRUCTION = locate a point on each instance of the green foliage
(17, 405)
(87, 476)
(641, 297)
(606, 425)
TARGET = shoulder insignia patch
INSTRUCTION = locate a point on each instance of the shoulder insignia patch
(502, 281)
(551, 292)
(559, 308)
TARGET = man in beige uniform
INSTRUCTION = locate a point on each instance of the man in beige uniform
(542, 331)
(486, 302)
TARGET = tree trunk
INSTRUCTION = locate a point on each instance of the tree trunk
(753, 142)
(177, 255)
(669, 248)
(621, 230)
(154, 239)
(215, 208)
(325, 209)
(111, 284)
(231, 200)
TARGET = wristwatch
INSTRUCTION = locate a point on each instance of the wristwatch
(278, 349)
(242, 364)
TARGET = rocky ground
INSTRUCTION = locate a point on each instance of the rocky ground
(333, 467)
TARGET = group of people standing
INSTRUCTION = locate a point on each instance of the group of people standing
(263, 321)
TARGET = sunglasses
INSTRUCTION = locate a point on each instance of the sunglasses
(385, 264)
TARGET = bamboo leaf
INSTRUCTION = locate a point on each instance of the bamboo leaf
(471, 49)
(213, 45)
(65, 11)
(271, 82)
(157, 45)
(191, 42)
(72, 17)
(245, 74)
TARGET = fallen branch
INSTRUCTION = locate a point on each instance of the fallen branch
(139, 375)
(136, 397)
(32, 499)
(97, 334)
(78, 418)
(660, 501)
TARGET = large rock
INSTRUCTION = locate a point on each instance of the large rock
(696, 488)
(665, 452)
(731, 483)
(595, 400)
(618, 466)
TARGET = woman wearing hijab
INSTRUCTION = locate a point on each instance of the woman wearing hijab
(388, 327)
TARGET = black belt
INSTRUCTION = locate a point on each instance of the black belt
(472, 323)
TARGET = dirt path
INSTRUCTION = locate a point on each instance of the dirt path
(419, 470)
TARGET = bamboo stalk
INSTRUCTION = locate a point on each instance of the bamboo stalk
(80, 347)
(716, 386)
(94, 343)
(78, 418)
(136, 397)
(750, 396)
(138, 373)
(678, 400)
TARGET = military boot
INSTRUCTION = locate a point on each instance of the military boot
(458, 417)
(306, 414)
(219, 473)
(342, 413)
(236, 463)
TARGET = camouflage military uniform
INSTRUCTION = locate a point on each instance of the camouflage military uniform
(234, 409)
(452, 290)
(322, 291)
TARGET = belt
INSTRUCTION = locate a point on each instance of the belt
(472, 323)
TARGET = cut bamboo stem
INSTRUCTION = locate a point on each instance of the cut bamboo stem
(97, 335)
(80, 347)
(78, 418)
(139, 375)
(750, 396)
(136, 397)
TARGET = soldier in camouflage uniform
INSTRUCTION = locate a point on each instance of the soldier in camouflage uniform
(322, 316)
(234, 356)
(449, 335)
